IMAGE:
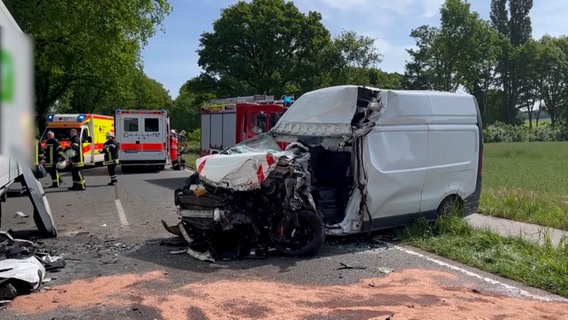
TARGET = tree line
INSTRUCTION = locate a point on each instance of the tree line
(87, 57)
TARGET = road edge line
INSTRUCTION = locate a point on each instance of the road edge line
(478, 276)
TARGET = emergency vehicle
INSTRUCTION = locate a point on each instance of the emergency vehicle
(226, 122)
(91, 128)
(143, 138)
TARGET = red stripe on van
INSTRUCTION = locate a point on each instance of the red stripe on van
(201, 166)
(142, 146)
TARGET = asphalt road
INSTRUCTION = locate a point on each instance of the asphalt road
(113, 234)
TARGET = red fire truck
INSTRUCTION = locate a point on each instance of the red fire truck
(226, 122)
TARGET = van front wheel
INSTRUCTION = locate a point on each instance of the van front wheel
(306, 238)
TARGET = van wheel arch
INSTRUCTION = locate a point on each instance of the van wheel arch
(452, 204)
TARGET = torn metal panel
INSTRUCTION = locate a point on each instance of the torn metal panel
(324, 112)
(340, 111)
(29, 270)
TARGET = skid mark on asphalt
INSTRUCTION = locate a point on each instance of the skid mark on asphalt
(509, 288)
(120, 209)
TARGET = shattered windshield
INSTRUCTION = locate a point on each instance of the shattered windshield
(261, 143)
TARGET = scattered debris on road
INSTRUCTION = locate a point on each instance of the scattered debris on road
(23, 266)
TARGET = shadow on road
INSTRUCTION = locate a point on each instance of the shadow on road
(158, 251)
(169, 183)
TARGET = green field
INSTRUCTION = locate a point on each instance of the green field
(527, 182)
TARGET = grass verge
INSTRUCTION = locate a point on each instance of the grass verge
(543, 267)
(526, 182)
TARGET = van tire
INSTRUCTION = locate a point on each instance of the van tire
(451, 205)
(311, 227)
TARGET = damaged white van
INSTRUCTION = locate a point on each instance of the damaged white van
(357, 159)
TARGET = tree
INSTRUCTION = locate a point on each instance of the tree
(461, 53)
(269, 45)
(515, 24)
(422, 71)
(350, 58)
(551, 64)
(85, 43)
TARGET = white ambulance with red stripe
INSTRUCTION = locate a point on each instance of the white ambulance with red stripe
(143, 138)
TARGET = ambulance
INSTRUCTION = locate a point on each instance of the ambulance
(91, 128)
(143, 138)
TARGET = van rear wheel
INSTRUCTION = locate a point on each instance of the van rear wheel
(451, 205)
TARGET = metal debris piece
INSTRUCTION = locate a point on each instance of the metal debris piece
(172, 229)
(29, 270)
(346, 266)
(385, 270)
(21, 214)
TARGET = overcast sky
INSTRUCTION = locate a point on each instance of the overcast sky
(171, 57)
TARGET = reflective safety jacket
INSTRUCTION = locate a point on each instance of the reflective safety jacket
(173, 148)
(53, 152)
(78, 159)
(110, 150)
(39, 152)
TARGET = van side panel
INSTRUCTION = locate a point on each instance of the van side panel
(395, 160)
(452, 163)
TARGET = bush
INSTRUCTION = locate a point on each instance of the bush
(194, 135)
(501, 132)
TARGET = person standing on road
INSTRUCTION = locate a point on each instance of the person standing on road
(53, 154)
(110, 150)
(77, 162)
(173, 150)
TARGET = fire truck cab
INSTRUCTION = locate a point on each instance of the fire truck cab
(226, 122)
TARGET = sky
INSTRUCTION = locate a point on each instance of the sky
(171, 56)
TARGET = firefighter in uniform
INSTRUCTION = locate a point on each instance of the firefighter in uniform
(39, 169)
(77, 162)
(110, 150)
(53, 154)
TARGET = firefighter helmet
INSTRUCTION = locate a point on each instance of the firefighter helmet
(61, 165)
(110, 134)
(172, 131)
(70, 153)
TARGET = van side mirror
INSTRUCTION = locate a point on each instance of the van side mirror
(88, 139)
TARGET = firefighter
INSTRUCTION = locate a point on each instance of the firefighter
(53, 154)
(39, 159)
(110, 149)
(77, 162)
(173, 150)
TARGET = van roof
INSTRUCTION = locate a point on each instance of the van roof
(330, 111)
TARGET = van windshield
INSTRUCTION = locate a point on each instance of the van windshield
(61, 134)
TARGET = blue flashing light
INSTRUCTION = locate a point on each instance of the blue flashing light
(288, 100)
(50, 118)
(81, 117)
(118, 110)
(163, 110)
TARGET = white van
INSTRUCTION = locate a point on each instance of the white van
(379, 157)
(143, 138)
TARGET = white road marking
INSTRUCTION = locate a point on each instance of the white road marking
(121, 214)
(478, 276)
